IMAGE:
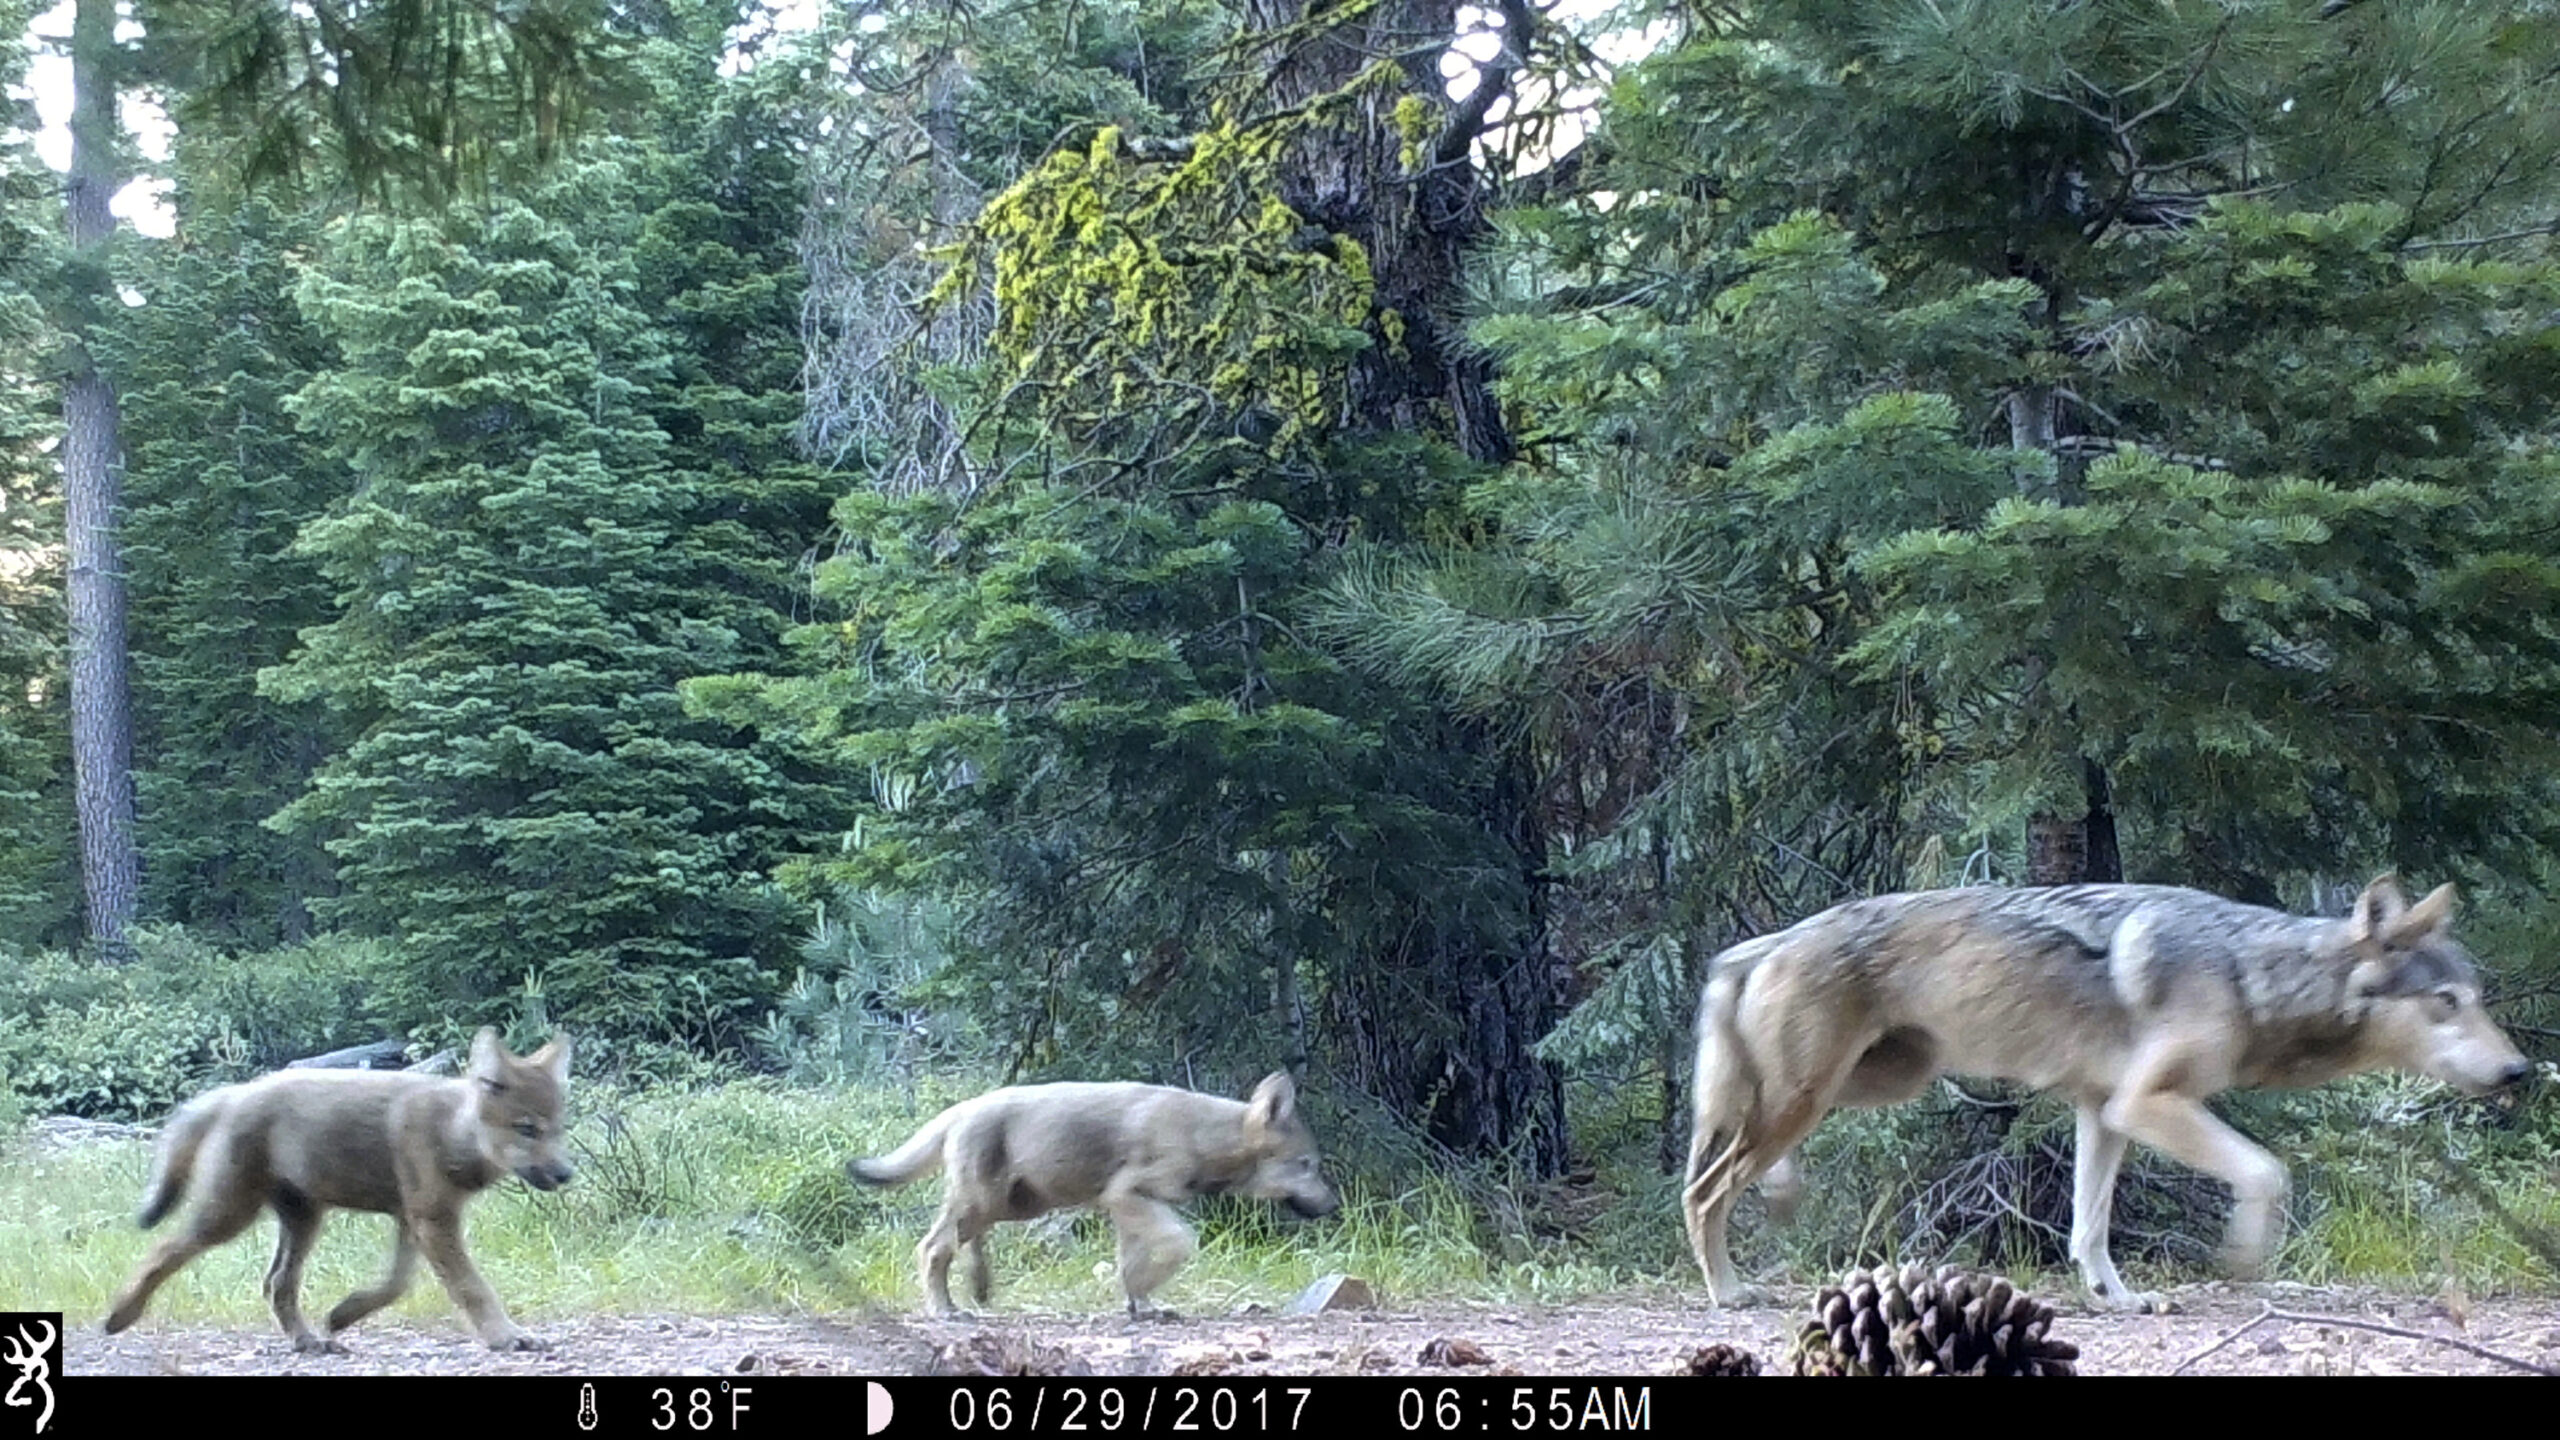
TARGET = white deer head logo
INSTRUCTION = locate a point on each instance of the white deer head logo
(27, 1353)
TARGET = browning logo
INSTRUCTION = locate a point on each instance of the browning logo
(31, 1344)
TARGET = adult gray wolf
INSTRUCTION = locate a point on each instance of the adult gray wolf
(2138, 1002)
(414, 1147)
(1131, 1151)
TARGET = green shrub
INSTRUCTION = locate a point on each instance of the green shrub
(128, 1042)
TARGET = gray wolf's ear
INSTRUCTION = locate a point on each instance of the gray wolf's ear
(488, 1057)
(2379, 908)
(2427, 916)
(1274, 1100)
(553, 1057)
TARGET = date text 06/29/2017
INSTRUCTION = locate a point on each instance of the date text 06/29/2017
(1234, 1407)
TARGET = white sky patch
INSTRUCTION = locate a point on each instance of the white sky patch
(144, 203)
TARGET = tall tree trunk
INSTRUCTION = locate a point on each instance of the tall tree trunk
(1471, 1074)
(92, 479)
(2065, 847)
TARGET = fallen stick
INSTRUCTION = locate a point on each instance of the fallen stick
(2292, 1317)
(2262, 1317)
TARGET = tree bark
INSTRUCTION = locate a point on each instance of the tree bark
(1350, 179)
(1468, 1071)
(92, 481)
(2063, 847)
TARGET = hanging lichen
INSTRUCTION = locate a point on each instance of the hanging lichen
(1150, 288)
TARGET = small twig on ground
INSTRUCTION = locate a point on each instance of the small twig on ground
(2243, 1328)
(2292, 1317)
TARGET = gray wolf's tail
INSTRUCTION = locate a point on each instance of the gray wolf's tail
(173, 1163)
(914, 1160)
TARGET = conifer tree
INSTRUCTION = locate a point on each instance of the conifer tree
(39, 873)
(219, 482)
(1076, 674)
(1990, 431)
(519, 590)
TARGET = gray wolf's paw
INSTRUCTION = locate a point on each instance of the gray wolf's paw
(314, 1345)
(519, 1341)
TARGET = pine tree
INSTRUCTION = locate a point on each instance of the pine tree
(519, 593)
(219, 482)
(423, 118)
(39, 875)
(1074, 665)
(1977, 428)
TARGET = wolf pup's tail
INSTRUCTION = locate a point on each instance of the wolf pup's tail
(914, 1160)
(174, 1162)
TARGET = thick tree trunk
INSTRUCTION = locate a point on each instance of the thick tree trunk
(1350, 178)
(1468, 1072)
(92, 479)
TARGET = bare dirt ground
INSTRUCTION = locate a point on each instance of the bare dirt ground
(1593, 1338)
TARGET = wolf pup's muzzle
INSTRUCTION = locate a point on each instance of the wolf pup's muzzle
(1306, 1209)
(546, 1177)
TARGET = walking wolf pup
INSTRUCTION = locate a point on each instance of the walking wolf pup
(2139, 1002)
(414, 1147)
(1131, 1151)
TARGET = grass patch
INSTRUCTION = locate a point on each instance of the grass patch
(732, 1199)
(723, 1200)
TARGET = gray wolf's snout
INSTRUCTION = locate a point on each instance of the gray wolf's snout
(2515, 1074)
(1313, 1209)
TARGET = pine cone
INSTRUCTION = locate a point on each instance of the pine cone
(1910, 1322)
(1813, 1355)
(1723, 1360)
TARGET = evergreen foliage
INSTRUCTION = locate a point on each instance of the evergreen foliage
(39, 852)
(218, 483)
(1945, 416)
(519, 591)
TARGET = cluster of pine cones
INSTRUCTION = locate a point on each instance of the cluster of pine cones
(1911, 1322)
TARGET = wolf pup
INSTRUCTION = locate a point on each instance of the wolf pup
(2139, 1002)
(414, 1147)
(1131, 1151)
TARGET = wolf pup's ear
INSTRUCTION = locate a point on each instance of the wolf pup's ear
(488, 1057)
(1274, 1100)
(2379, 908)
(553, 1057)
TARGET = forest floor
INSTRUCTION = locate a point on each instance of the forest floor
(1599, 1337)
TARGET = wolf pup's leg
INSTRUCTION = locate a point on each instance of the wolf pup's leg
(958, 1227)
(229, 1204)
(404, 1269)
(439, 1233)
(298, 1223)
(1153, 1243)
(982, 1279)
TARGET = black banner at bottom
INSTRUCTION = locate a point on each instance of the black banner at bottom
(625, 1407)
(461, 1407)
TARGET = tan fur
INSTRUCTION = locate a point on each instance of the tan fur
(303, 1142)
(1131, 1151)
(2139, 1002)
